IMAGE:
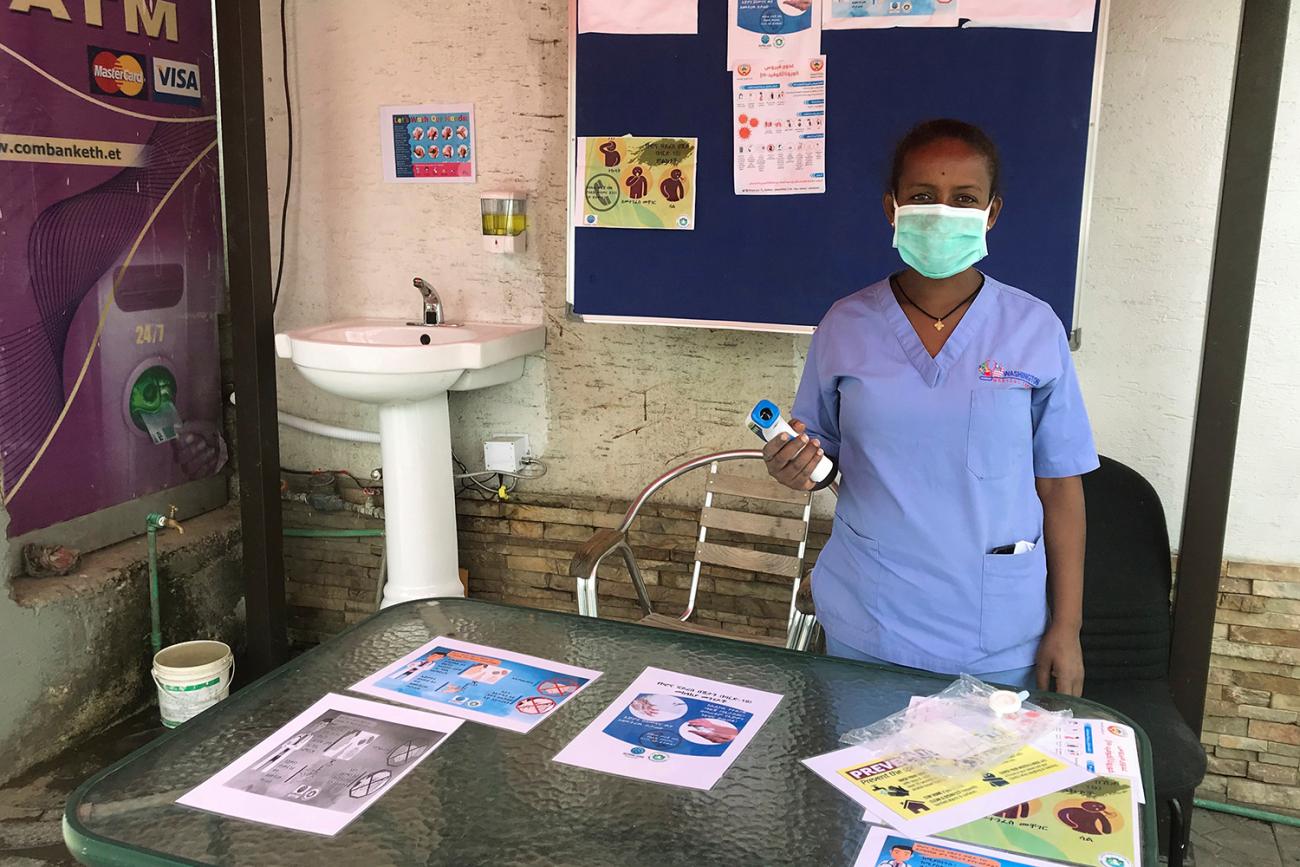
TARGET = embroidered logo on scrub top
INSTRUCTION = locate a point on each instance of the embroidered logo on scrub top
(992, 371)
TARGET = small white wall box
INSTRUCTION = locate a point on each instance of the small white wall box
(505, 454)
(505, 221)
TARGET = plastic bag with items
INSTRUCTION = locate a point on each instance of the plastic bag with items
(968, 727)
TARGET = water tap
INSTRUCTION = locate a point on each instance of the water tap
(162, 522)
(432, 303)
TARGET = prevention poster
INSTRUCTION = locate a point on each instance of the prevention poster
(324, 767)
(770, 30)
(917, 801)
(672, 728)
(780, 127)
(428, 143)
(635, 182)
(870, 14)
(111, 256)
(886, 848)
(484, 684)
(1093, 823)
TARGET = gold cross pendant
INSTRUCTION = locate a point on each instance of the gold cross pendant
(938, 325)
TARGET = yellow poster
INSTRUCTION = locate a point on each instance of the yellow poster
(635, 182)
(907, 790)
(1094, 823)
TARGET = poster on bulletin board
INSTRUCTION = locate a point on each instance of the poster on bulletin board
(428, 143)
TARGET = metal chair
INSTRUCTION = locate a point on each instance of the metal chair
(800, 625)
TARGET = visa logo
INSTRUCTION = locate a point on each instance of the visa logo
(174, 81)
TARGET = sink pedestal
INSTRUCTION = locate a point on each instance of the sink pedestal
(406, 370)
(419, 501)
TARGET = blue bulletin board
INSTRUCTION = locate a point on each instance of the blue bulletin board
(779, 262)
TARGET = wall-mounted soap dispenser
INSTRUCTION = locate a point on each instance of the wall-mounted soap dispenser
(505, 222)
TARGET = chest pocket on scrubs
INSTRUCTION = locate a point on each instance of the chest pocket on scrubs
(1013, 599)
(1001, 431)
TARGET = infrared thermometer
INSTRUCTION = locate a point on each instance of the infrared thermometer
(765, 420)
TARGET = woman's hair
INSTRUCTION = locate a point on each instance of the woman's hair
(930, 131)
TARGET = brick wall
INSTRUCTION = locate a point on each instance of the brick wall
(520, 551)
(330, 583)
(1253, 699)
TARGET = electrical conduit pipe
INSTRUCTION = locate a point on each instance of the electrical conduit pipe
(330, 431)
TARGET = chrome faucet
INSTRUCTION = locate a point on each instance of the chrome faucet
(432, 303)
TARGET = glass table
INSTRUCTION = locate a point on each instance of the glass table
(490, 796)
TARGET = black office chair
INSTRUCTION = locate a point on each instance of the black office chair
(1126, 627)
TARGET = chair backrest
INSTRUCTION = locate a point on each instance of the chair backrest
(758, 514)
(1127, 578)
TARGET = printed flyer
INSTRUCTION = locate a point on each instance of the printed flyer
(1100, 746)
(780, 127)
(428, 143)
(484, 684)
(770, 30)
(1094, 823)
(885, 848)
(325, 766)
(635, 182)
(1075, 16)
(638, 16)
(917, 801)
(857, 14)
(672, 728)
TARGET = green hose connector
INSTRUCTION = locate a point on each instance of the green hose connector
(305, 533)
(1248, 812)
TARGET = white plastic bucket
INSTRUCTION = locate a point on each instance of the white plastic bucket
(191, 677)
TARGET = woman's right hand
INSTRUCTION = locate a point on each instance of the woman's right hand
(791, 461)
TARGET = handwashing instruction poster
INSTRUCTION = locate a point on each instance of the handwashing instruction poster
(428, 143)
(325, 766)
(771, 30)
(635, 182)
(1093, 823)
(910, 797)
(484, 684)
(886, 848)
(779, 126)
(672, 728)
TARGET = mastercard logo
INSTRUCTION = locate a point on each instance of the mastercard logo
(117, 73)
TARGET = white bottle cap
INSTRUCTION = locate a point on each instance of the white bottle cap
(1004, 702)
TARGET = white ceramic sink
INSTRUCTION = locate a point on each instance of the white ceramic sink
(407, 370)
(388, 361)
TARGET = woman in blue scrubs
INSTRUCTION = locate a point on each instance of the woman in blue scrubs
(949, 403)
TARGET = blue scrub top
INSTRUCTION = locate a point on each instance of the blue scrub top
(938, 458)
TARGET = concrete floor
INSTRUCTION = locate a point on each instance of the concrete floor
(31, 808)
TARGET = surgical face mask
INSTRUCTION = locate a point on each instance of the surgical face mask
(938, 240)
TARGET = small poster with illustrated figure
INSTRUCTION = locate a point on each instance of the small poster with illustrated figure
(635, 182)
(489, 685)
(325, 766)
(887, 848)
(672, 728)
(428, 143)
(1094, 823)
